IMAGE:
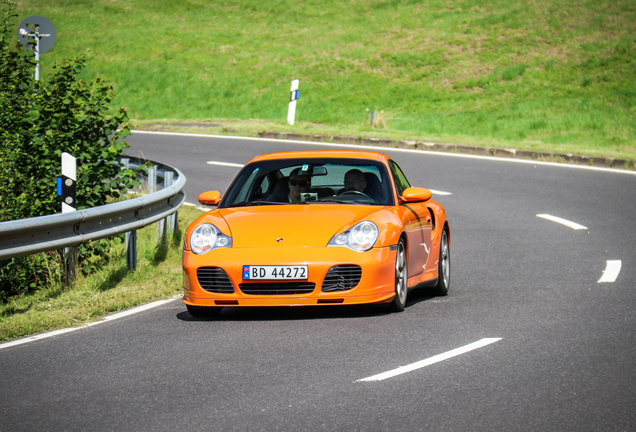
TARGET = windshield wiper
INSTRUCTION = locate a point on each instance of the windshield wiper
(255, 203)
(337, 201)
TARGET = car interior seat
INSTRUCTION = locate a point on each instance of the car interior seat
(374, 188)
(281, 188)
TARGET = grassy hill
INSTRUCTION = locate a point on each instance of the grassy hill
(555, 75)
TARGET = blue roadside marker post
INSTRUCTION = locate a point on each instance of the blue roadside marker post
(295, 94)
(67, 189)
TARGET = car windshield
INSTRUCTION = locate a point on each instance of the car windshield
(310, 181)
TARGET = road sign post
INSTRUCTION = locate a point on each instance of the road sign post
(43, 31)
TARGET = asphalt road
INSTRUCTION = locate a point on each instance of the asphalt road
(562, 346)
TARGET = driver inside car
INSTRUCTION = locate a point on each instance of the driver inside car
(354, 180)
(297, 183)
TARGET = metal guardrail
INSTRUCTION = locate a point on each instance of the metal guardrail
(45, 233)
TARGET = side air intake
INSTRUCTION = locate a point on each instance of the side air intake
(342, 278)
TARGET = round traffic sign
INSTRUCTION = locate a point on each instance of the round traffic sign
(44, 26)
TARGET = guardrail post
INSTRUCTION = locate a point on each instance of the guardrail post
(168, 179)
(131, 250)
(152, 180)
(162, 231)
(70, 265)
(152, 188)
(131, 236)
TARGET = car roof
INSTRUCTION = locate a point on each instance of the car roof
(353, 154)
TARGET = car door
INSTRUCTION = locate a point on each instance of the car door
(418, 226)
(418, 231)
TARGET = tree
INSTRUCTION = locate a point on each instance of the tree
(38, 121)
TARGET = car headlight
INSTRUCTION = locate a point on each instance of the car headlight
(206, 237)
(360, 238)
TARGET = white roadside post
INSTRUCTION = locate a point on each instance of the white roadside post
(295, 94)
(66, 187)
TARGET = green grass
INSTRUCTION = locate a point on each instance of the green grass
(114, 288)
(545, 75)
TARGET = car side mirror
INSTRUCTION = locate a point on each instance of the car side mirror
(414, 194)
(210, 197)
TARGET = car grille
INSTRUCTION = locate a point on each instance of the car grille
(277, 288)
(214, 279)
(342, 278)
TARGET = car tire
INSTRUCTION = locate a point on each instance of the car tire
(443, 266)
(401, 279)
(203, 312)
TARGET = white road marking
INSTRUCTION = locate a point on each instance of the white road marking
(107, 318)
(197, 206)
(378, 148)
(436, 192)
(612, 269)
(431, 360)
(565, 222)
(228, 164)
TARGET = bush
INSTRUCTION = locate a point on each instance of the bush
(38, 121)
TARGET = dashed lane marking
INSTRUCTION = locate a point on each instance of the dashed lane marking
(436, 192)
(198, 207)
(227, 164)
(431, 360)
(565, 222)
(612, 269)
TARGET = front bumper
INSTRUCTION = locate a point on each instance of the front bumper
(376, 284)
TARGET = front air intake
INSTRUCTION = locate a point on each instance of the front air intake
(215, 280)
(342, 278)
(277, 288)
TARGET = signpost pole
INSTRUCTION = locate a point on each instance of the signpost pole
(37, 51)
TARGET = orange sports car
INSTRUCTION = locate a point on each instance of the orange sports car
(315, 228)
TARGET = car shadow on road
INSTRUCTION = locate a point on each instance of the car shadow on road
(290, 313)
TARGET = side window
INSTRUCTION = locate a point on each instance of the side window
(399, 178)
(247, 189)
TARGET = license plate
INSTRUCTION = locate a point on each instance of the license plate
(274, 272)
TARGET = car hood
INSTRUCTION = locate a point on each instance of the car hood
(291, 225)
